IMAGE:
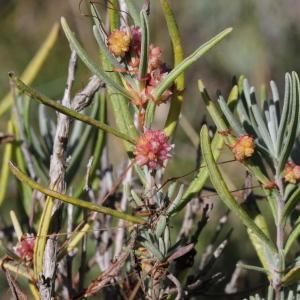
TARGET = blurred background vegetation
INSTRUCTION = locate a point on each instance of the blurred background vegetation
(264, 45)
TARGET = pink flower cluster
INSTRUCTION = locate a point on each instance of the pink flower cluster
(152, 149)
(25, 247)
(156, 70)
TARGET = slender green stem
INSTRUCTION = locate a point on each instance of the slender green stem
(77, 202)
(66, 111)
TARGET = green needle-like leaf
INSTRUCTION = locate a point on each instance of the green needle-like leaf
(4, 169)
(292, 238)
(76, 202)
(69, 112)
(291, 203)
(43, 228)
(284, 113)
(169, 80)
(235, 125)
(225, 195)
(292, 124)
(177, 99)
(291, 277)
(144, 47)
(133, 12)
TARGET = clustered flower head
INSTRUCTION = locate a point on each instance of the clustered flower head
(25, 247)
(291, 173)
(243, 147)
(119, 42)
(152, 149)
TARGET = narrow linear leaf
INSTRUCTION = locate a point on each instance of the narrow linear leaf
(292, 125)
(252, 268)
(4, 169)
(168, 81)
(291, 277)
(230, 117)
(98, 146)
(177, 99)
(16, 224)
(274, 109)
(75, 239)
(254, 108)
(77, 202)
(26, 200)
(223, 192)
(173, 206)
(43, 228)
(214, 111)
(291, 203)
(45, 127)
(91, 65)
(149, 115)
(153, 250)
(81, 145)
(133, 12)
(99, 24)
(265, 258)
(69, 112)
(284, 113)
(34, 66)
(113, 13)
(144, 47)
(17, 269)
(293, 236)
(121, 108)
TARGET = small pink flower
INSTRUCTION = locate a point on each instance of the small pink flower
(156, 76)
(136, 38)
(154, 58)
(152, 149)
(25, 247)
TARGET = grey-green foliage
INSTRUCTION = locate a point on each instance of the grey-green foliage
(40, 139)
(157, 240)
(274, 128)
(273, 125)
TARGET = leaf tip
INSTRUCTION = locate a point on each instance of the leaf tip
(201, 86)
(11, 75)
